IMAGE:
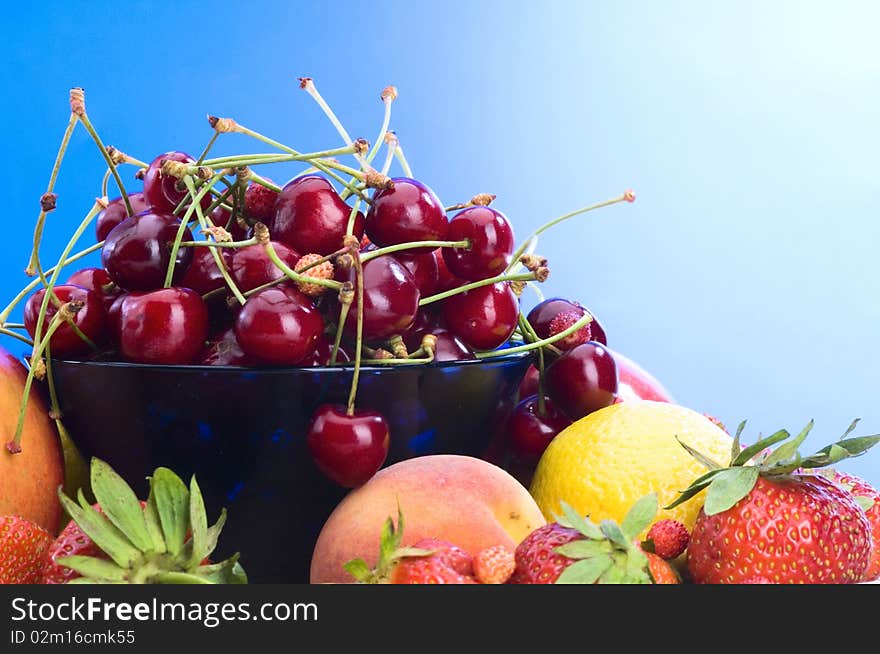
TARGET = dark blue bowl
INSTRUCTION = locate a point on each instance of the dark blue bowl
(241, 431)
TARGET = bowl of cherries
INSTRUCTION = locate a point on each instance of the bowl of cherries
(284, 342)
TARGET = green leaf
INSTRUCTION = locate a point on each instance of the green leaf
(616, 574)
(762, 443)
(787, 450)
(693, 489)
(90, 566)
(107, 537)
(172, 577)
(172, 503)
(225, 572)
(213, 534)
(637, 567)
(359, 569)
(614, 534)
(729, 487)
(198, 522)
(579, 522)
(735, 447)
(585, 571)
(583, 549)
(120, 504)
(387, 543)
(704, 460)
(785, 468)
(842, 449)
(867, 503)
(154, 526)
(640, 516)
(851, 428)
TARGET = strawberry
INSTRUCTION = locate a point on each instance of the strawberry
(868, 498)
(165, 539)
(23, 548)
(667, 538)
(765, 517)
(661, 570)
(494, 565)
(574, 550)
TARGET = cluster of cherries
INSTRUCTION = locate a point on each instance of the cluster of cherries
(298, 277)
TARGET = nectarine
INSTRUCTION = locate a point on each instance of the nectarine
(464, 500)
(29, 480)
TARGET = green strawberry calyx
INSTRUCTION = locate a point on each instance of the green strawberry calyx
(608, 553)
(165, 542)
(727, 485)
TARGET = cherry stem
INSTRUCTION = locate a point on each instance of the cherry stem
(290, 273)
(398, 152)
(337, 339)
(84, 119)
(372, 254)
(349, 228)
(207, 149)
(219, 244)
(34, 263)
(262, 181)
(520, 277)
(24, 339)
(583, 320)
(184, 222)
(312, 90)
(359, 331)
(258, 159)
(543, 228)
(104, 183)
(374, 150)
(389, 157)
(221, 265)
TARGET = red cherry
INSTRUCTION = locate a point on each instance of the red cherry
(164, 192)
(484, 317)
(259, 202)
(137, 251)
(408, 211)
(491, 243)
(98, 281)
(583, 380)
(450, 348)
(323, 350)
(167, 326)
(542, 315)
(251, 267)
(529, 384)
(203, 275)
(446, 281)
(349, 449)
(114, 317)
(116, 211)
(222, 217)
(530, 431)
(90, 319)
(224, 350)
(279, 325)
(311, 217)
(424, 270)
(427, 321)
(391, 300)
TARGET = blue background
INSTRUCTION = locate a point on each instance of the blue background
(744, 275)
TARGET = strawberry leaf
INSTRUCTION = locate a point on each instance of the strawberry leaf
(614, 534)
(637, 567)
(359, 569)
(694, 488)
(584, 549)
(787, 450)
(585, 571)
(180, 578)
(198, 522)
(729, 487)
(574, 520)
(851, 428)
(120, 504)
(154, 525)
(762, 443)
(699, 456)
(107, 537)
(867, 503)
(640, 516)
(172, 503)
(89, 566)
(225, 572)
(842, 449)
(213, 534)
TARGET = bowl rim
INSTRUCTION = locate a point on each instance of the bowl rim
(347, 367)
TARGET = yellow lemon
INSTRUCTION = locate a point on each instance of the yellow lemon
(604, 462)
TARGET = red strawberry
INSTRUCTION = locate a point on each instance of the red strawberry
(71, 541)
(575, 550)
(771, 520)
(23, 547)
(494, 565)
(868, 498)
(259, 202)
(661, 570)
(667, 538)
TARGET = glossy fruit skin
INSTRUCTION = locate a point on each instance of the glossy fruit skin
(391, 300)
(349, 449)
(224, 350)
(858, 487)
(259, 202)
(137, 251)
(449, 564)
(116, 211)
(90, 319)
(167, 326)
(311, 217)
(484, 317)
(203, 275)
(446, 281)
(423, 268)
(322, 352)
(251, 267)
(72, 541)
(543, 313)
(530, 432)
(529, 384)
(662, 571)
(279, 326)
(537, 562)
(98, 281)
(799, 529)
(238, 228)
(409, 211)
(492, 243)
(161, 191)
(23, 548)
(636, 383)
(583, 380)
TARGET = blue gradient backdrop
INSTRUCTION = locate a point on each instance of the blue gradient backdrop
(744, 275)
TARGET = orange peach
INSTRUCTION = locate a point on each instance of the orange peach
(29, 480)
(465, 500)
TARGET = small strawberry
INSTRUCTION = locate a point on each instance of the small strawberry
(574, 550)
(562, 321)
(667, 538)
(868, 498)
(661, 570)
(494, 565)
(323, 270)
(23, 550)
(259, 202)
(165, 539)
(764, 516)
(429, 561)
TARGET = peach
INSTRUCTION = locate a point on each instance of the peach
(465, 500)
(29, 480)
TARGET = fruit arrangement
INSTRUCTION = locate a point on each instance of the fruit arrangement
(594, 473)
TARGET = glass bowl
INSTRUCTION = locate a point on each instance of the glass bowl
(241, 431)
